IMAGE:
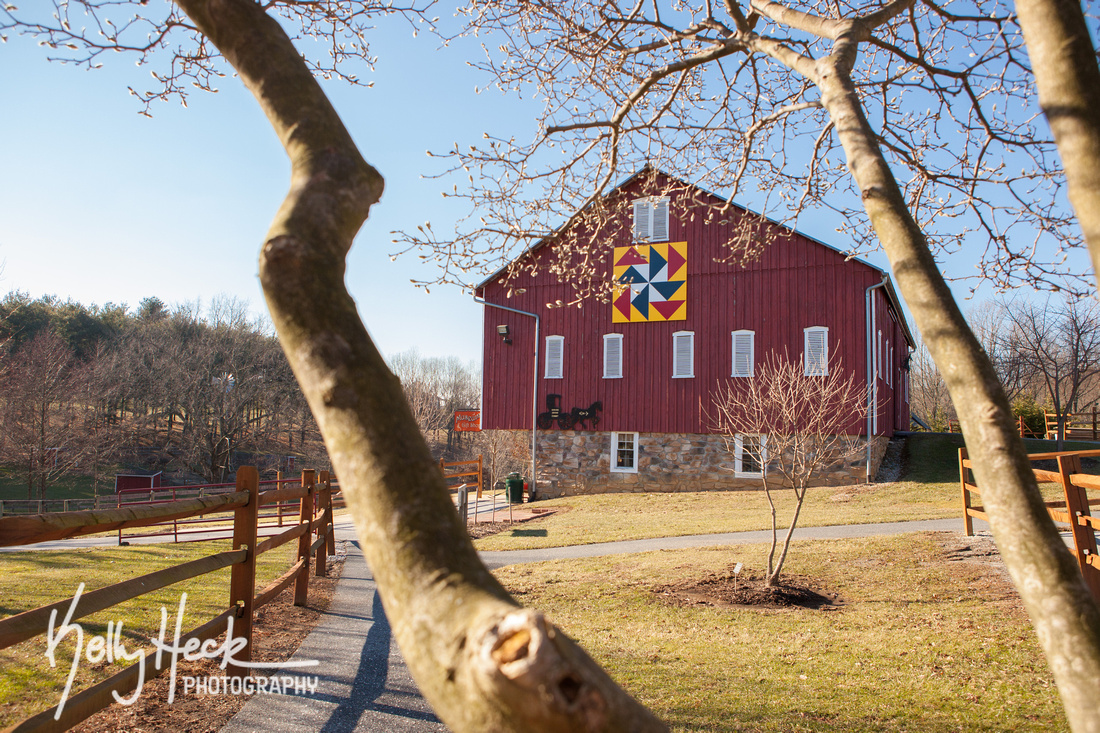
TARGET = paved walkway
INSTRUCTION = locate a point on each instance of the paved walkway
(364, 685)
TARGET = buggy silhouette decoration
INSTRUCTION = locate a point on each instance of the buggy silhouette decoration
(588, 418)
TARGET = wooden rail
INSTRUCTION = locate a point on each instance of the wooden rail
(1072, 512)
(954, 426)
(1078, 425)
(314, 499)
(463, 472)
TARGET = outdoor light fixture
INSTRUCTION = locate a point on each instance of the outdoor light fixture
(503, 331)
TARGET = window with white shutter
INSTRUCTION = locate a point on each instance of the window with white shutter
(651, 220)
(744, 364)
(555, 352)
(613, 356)
(815, 351)
(683, 354)
(641, 220)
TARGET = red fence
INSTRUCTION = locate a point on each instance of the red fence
(269, 519)
(313, 498)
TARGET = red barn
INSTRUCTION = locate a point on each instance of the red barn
(684, 317)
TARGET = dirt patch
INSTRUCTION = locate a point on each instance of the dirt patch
(746, 589)
(484, 529)
(279, 629)
(852, 492)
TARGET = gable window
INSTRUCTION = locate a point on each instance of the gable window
(613, 356)
(555, 352)
(815, 351)
(743, 357)
(624, 452)
(750, 455)
(651, 220)
(683, 354)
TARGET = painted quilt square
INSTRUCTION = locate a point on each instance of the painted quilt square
(651, 283)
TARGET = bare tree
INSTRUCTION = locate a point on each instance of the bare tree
(482, 661)
(827, 103)
(43, 421)
(489, 665)
(1054, 347)
(1063, 56)
(423, 388)
(793, 429)
(928, 397)
(505, 451)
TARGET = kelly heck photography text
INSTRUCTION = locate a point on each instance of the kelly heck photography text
(111, 648)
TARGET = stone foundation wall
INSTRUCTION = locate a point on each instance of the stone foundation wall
(571, 463)
(878, 451)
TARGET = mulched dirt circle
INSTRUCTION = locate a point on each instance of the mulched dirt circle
(747, 590)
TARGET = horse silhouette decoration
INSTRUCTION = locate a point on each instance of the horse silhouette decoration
(588, 417)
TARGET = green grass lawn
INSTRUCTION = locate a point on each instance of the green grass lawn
(923, 641)
(929, 489)
(13, 484)
(31, 579)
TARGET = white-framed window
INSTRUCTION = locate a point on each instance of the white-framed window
(555, 354)
(744, 358)
(624, 452)
(683, 354)
(651, 220)
(612, 356)
(889, 364)
(750, 455)
(815, 351)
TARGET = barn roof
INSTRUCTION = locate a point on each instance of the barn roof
(647, 168)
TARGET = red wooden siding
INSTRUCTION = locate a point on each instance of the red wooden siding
(796, 283)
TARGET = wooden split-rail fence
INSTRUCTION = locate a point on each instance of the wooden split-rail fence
(954, 426)
(312, 529)
(1072, 511)
(1078, 425)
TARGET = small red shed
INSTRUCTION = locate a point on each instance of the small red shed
(137, 480)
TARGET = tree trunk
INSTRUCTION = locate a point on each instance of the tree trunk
(482, 662)
(1063, 613)
(1063, 60)
(773, 576)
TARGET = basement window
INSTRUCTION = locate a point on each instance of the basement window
(750, 455)
(624, 452)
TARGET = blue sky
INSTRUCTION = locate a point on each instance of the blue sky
(101, 204)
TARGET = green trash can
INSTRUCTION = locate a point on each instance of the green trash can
(515, 488)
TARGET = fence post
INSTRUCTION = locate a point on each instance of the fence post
(242, 583)
(330, 548)
(323, 529)
(279, 504)
(305, 516)
(968, 521)
(1084, 538)
(480, 476)
(1094, 422)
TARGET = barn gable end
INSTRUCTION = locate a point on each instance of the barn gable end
(653, 357)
